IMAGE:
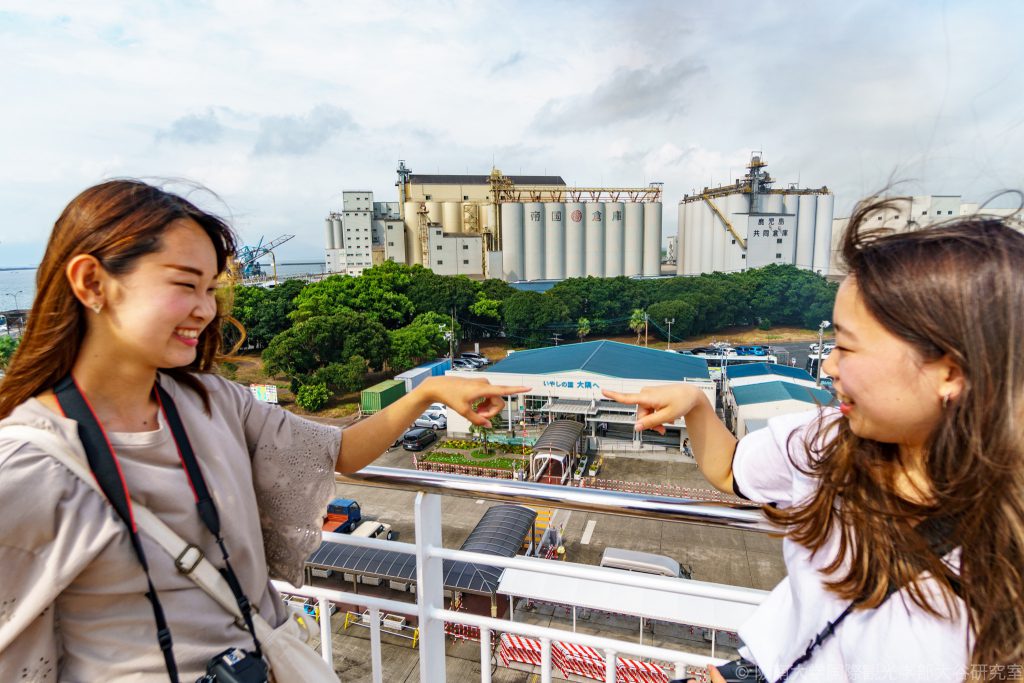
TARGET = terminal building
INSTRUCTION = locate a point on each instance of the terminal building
(514, 228)
(566, 383)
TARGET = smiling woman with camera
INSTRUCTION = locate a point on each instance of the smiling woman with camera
(147, 501)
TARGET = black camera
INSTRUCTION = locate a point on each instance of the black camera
(235, 666)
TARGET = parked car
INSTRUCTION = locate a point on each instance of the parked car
(437, 408)
(418, 438)
(375, 530)
(433, 420)
(463, 364)
(472, 355)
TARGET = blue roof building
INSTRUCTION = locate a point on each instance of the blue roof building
(608, 358)
(753, 404)
(567, 381)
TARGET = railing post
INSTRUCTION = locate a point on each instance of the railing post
(545, 660)
(429, 587)
(326, 640)
(375, 645)
(610, 660)
(485, 655)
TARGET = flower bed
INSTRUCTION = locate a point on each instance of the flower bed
(449, 458)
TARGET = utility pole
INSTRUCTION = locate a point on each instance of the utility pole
(556, 337)
(821, 350)
(645, 328)
(451, 344)
(669, 323)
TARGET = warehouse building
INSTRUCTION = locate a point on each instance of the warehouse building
(750, 224)
(919, 211)
(364, 234)
(758, 391)
(515, 228)
(566, 383)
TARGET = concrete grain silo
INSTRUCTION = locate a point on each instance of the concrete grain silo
(614, 236)
(807, 212)
(753, 225)
(594, 238)
(533, 241)
(823, 234)
(328, 234)
(512, 241)
(633, 249)
(575, 240)
(451, 216)
(652, 239)
(554, 241)
(435, 213)
(412, 231)
(737, 211)
(338, 233)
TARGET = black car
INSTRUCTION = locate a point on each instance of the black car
(419, 438)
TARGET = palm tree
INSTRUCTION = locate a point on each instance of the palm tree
(582, 328)
(637, 322)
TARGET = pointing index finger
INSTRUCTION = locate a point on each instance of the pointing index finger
(620, 397)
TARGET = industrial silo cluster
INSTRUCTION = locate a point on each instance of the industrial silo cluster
(332, 231)
(750, 225)
(558, 240)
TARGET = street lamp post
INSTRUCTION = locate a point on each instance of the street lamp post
(669, 323)
(821, 349)
(17, 311)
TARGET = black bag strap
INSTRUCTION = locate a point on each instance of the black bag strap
(205, 506)
(107, 470)
(938, 531)
(105, 466)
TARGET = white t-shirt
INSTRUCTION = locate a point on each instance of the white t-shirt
(898, 641)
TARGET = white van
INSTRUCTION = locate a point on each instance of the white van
(374, 530)
(636, 561)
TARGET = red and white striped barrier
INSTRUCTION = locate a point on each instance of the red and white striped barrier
(635, 671)
(578, 659)
(519, 649)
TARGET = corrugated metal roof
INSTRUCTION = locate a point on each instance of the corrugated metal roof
(758, 369)
(453, 179)
(560, 435)
(767, 392)
(499, 532)
(609, 358)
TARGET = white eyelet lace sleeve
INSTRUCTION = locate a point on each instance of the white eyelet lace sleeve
(293, 476)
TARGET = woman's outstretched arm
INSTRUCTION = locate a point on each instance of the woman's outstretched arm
(475, 399)
(713, 445)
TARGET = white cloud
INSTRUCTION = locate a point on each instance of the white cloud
(278, 106)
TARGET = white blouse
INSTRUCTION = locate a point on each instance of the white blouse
(898, 641)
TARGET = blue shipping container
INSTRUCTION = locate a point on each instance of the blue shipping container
(439, 366)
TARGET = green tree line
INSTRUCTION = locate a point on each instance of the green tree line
(394, 316)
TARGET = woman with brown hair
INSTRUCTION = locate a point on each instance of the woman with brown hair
(125, 331)
(903, 509)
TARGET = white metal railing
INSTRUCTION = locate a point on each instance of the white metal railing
(429, 607)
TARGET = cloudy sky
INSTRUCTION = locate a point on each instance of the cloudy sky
(279, 106)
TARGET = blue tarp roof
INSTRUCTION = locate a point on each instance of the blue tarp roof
(758, 369)
(768, 392)
(609, 358)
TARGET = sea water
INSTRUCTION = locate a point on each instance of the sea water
(20, 285)
(17, 289)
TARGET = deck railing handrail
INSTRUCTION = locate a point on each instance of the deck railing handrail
(738, 515)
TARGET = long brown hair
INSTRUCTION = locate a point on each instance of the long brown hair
(952, 290)
(117, 222)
